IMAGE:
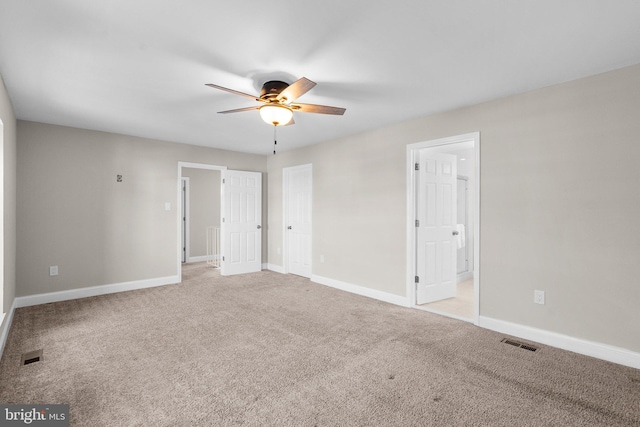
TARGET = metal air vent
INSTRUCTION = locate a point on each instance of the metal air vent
(518, 344)
(31, 357)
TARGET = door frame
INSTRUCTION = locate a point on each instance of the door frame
(179, 201)
(185, 215)
(412, 154)
(286, 172)
(470, 265)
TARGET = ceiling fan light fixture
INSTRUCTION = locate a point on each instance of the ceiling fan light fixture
(276, 114)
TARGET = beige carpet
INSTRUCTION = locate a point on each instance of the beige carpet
(272, 350)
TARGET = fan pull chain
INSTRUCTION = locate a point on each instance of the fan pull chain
(275, 142)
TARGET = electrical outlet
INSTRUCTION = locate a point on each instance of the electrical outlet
(53, 270)
(538, 297)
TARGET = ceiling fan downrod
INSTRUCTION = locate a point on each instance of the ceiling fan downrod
(275, 141)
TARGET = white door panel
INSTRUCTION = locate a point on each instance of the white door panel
(436, 212)
(298, 201)
(241, 237)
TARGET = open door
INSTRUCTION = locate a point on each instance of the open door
(241, 230)
(436, 229)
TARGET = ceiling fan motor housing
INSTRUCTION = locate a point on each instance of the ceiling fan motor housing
(272, 88)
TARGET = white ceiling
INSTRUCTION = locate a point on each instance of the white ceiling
(139, 67)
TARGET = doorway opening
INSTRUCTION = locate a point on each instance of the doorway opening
(196, 181)
(443, 224)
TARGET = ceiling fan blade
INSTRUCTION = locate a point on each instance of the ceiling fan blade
(296, 90)
(238, 110)
(321, 109)
(226, 89)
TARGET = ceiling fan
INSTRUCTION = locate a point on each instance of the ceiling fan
(278, 99)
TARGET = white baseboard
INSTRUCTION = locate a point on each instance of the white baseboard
(465, 276)
(6, 326)
(589, 348)
(93, 291)
(201, 258)
(274, 267)
(361, 290)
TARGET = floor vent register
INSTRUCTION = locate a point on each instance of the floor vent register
(519, 344)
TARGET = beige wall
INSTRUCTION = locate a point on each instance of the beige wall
(8, 156)
(559, 202)
(72, 213)
(357, 188)
(204, 207)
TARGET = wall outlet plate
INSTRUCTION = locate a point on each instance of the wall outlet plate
(538, 297)
(53, 270)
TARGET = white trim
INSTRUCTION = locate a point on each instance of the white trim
(589, 348)
(201, 166)
(361, 290)
(8, 321)
(470, 140)
(93, 291)
(286, 172)
(276, 268)
(179, 211)
(465, 276)
(185, 214)
(200, 258)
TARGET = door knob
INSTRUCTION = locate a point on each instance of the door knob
(289, 228)
(259, 227)
(455, 233)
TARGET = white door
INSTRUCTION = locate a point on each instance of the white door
(436, 215)
(463, 253)
(241, 240)
(298, 191)
(184, 217)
